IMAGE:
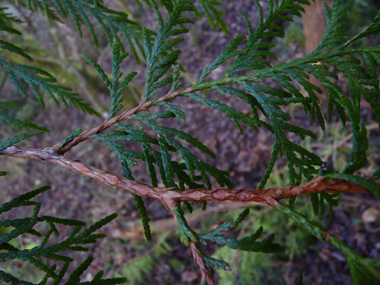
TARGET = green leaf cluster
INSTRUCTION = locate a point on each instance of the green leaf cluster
(55, 272)
(29, 79)
(249, 244)
(363, 270)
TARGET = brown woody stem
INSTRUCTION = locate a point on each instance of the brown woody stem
(171, 197)
(123, 116)
(201, 264)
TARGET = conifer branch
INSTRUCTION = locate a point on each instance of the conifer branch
(123, 116)
(247, 62)
(144, 107)
(198, 259)
(172, 197)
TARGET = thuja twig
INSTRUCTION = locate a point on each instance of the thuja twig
(144, 107)
(108, 123)
(171, 197)
(198, 259)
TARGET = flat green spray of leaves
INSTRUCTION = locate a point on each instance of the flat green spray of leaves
(319, 200)
(160, 56)
(8, 142)
(36, 256)
(185, 233)
(115, 85)
(14, 122)
(113, 23)
(363, 270)
(37, 79)
(70, 137)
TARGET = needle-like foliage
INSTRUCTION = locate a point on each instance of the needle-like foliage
(37, 256)
(179, 161)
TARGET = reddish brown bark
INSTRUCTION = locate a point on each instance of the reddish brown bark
(108, 123)
(170, 197)
(201, 264)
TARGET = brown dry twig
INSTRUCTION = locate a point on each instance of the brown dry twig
(198, 259)
(123, 116)
(170, 197)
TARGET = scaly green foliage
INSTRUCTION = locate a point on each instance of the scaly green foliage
(363, 270)
(38, 255)
(249, 63)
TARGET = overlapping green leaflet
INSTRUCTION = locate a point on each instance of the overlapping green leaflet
(336, 30)
(212, 12)
(267, 245)
(228, 52)
(168, 144)
(113, 23)
(6, 20)
(301, 162)
(74, 277)
(318, 201)
(193, 141)
(247, 244)
(258, 44)
(160, 56)
(154, 157)
(232, 113)
(216, 235)
(20, 200)
(363, 270)
(127, 173)
(174, 109)
(216, 263)
(373, 28)
(210, 9)
(38, 79)
(186, 234)
(144, 216)
(74, 242)
(115, 140)
(70, 137)
(115, 85)
(38, 5)
(19, 124)
(4, 45)
(11, 141)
